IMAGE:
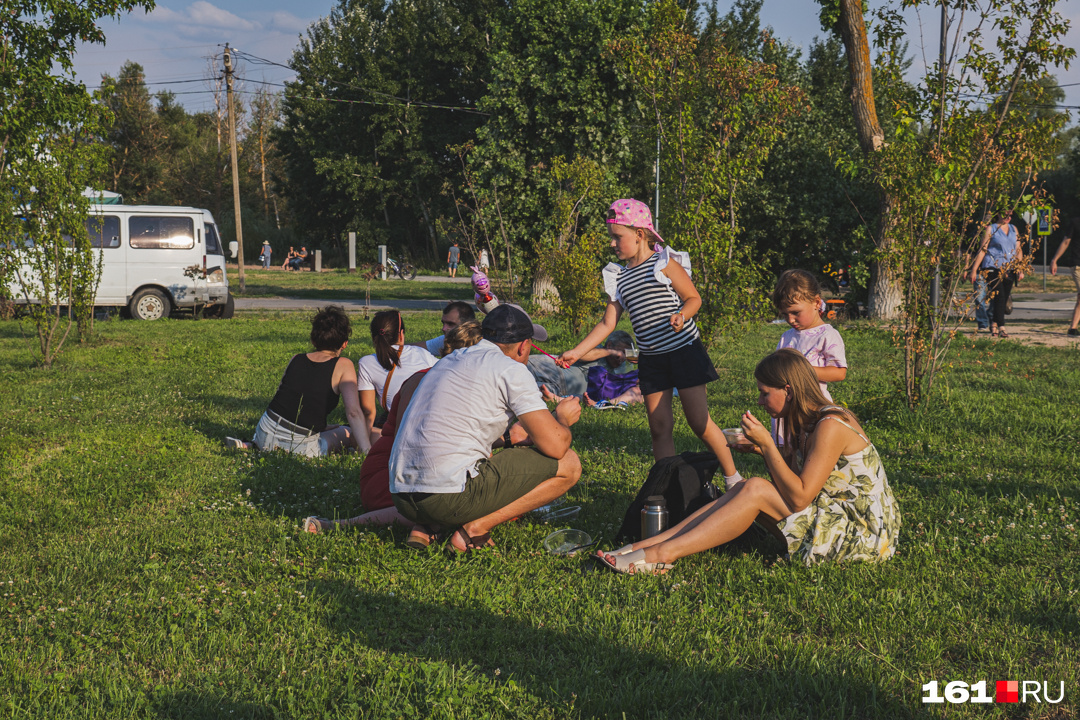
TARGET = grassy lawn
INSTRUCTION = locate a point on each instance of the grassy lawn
(147, 572)
(340, 285)
(1033, 283)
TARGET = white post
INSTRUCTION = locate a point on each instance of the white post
(318, 261)
(382, 261)
(352, 252)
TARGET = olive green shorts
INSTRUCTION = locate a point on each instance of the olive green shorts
(503, 478)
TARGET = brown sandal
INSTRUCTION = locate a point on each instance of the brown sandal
(1002, 334)
(419, 537)
(469, 542)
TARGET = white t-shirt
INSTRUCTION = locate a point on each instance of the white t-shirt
(822, 346)
(370, 375)
(435, 345)
(461, 407)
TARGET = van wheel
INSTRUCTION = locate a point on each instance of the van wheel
(224, 311)
(150, 304)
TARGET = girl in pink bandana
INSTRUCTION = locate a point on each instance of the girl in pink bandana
(655, 289)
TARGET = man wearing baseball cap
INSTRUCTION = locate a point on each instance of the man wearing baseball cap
(442, 473)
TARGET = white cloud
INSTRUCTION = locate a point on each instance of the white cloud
(287, 22)
(201, 15)
(204, 13)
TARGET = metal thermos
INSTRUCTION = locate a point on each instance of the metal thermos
(654, 516)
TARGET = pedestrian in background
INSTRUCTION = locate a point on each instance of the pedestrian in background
(452, 259)
(1071, 258)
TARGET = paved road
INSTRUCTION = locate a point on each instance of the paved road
(286, 304)
(1022, 309)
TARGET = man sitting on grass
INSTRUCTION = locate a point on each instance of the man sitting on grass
(442, 473)
(453, 315)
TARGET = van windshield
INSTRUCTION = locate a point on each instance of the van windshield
(213, 243)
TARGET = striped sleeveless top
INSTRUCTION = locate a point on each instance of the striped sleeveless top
(651, 304)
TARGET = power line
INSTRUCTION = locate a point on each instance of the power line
(400, 100)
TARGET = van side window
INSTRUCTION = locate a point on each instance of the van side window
(162, 233)
(213, 242)
(104, 231)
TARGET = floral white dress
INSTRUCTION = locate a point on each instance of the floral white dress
(854, 517)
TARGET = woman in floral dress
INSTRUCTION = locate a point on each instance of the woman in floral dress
(828, 499)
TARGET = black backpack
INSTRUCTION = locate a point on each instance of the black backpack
(684, 480)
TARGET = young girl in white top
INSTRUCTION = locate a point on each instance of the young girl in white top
(797, 298)
(380, 376)
(662, 301)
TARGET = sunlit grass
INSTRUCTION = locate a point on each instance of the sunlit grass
(338, 284)
(148, 572)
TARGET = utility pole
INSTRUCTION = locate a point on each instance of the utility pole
(656, 204)
(235, 170)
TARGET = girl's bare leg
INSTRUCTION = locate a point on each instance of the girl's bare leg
(723, 523)
(695, 403)
(661, 423)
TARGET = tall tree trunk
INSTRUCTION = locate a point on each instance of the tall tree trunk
(433, 238)
(545, 295)
(885, 290)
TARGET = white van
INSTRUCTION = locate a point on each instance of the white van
(145, 251)
(155, 259)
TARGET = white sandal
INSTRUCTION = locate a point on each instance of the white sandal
(634, 563)
(314, 524)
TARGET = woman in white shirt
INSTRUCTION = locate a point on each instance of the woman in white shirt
(380, 376)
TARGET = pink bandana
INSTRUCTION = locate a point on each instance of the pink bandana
(632, 213)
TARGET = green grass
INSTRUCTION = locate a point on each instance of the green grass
(340, 285)
(147, 572)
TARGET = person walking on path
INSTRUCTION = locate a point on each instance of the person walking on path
(265, 256)
(452, 259)
(1071, 257)
(998, 257)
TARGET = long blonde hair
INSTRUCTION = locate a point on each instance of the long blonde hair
(787, 368)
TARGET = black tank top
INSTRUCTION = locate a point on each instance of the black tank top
(306, 393)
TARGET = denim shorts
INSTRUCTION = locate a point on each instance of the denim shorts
(269, 435)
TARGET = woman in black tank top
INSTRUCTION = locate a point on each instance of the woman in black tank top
(295, 420)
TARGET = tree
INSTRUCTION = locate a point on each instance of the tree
(717, 116)
(46, 162)
(573, 255)
(555, 91)
(845, 17)
(961, 150)
(265, 116)
(137, 137)
(382, 90)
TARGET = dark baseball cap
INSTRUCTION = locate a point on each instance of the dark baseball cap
(509, 324)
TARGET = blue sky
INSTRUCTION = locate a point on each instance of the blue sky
(175, 42)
